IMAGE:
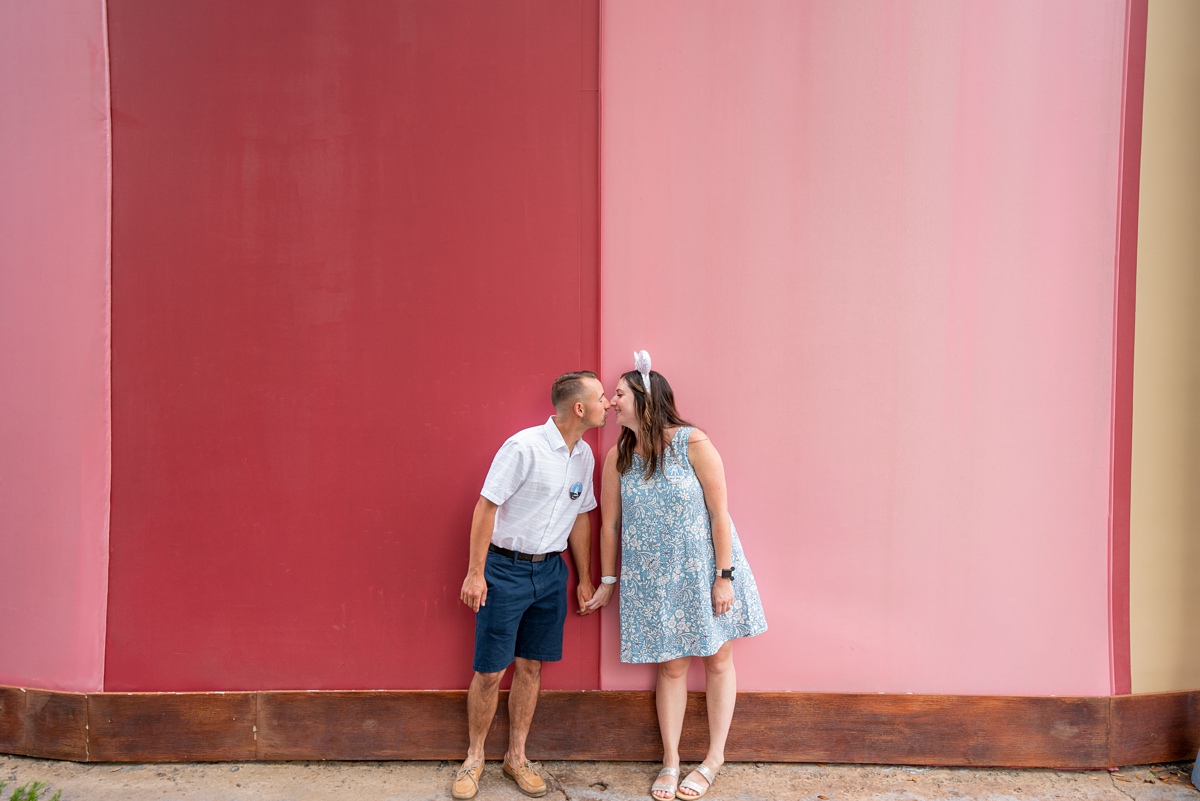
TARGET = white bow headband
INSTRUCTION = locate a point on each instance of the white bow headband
(641, 363)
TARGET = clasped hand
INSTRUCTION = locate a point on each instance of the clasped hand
(599, 599)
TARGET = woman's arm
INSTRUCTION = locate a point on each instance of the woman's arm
(580, 543)
(610, 528)
(711, 473)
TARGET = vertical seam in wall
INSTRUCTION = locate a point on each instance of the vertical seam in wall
(599, 182)
(24, 718)
(600, 271)
(590, 96)
(1124, 297)
(581, 140)
(1108, 738)
(599, 254)
(108, 228)
(254, 727)
(587, 96)
(87, 727)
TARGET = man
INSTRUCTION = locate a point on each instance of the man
(533, 505)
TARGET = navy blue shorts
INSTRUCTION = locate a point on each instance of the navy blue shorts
(523, 614)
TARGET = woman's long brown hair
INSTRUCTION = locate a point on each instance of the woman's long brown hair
(655, 413)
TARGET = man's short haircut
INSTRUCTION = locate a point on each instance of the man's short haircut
(568, 387)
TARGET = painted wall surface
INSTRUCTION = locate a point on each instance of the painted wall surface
(1165, 521)
(353, 245)
(53, 343)
(872, 245)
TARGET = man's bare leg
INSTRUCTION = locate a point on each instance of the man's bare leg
(522, 701)
(481, 710)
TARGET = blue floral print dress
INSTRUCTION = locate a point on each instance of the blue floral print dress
(668, 566)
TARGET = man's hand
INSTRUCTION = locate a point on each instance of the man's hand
(483, 523)
(474, 591)
(584, 592)
(600, 598)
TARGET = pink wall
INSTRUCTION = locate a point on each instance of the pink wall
(353, 244)
(53, 343)
(873, 247)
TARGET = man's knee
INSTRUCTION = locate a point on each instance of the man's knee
(528, 668)
(487, 681)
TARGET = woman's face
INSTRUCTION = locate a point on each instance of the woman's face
(622, 401)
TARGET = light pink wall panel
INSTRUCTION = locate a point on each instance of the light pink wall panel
(53, 343)
(872, 245)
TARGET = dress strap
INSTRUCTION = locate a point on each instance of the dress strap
(680, 441)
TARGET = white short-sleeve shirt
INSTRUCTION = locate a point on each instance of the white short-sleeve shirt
(532, 479)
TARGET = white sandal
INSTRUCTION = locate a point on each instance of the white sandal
(663, 787)
(688, 784)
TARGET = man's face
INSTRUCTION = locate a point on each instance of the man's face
(595, 405)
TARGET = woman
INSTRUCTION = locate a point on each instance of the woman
(686, 590)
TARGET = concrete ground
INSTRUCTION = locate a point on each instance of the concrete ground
(582, 781)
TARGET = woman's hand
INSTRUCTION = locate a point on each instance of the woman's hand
(600, 598)
(722, 596)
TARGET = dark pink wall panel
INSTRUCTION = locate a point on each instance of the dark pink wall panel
(352, 246)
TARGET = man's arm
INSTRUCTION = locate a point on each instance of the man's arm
(610, 527)
(483, 522)
(580, 542)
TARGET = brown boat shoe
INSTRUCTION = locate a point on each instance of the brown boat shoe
(466, 782)
(527, 779)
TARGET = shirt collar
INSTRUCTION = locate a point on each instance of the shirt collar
(555, 437)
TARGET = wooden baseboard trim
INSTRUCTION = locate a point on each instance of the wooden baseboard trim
(963, 730)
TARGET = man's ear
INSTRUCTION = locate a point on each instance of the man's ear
(579, 410)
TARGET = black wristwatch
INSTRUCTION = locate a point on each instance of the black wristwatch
(726, 573)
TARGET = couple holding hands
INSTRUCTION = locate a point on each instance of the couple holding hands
(686, 590)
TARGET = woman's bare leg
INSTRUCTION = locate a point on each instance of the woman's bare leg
(670, 698)
(720, 695)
